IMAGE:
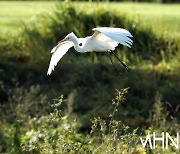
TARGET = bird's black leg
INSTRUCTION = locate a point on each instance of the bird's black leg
(115, 70)
(125, 66)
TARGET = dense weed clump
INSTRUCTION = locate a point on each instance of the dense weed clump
(58, 131)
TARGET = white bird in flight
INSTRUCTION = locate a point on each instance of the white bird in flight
(104, 39)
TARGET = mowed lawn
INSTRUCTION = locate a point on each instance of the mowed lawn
(163, 18)
(14, 13)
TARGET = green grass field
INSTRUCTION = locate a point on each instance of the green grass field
(166, 17)
(14, 13)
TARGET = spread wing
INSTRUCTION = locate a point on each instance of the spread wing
(103, 38)
(57, 53)
(119, 35)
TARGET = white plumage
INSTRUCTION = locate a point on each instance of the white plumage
(104, 39)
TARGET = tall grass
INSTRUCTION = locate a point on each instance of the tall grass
(58, 131)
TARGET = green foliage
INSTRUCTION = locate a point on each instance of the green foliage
(160, 118)
(57, 131)
(85, 120)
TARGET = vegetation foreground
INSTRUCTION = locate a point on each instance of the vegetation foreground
(84, 107)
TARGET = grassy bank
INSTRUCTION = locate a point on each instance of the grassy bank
(166, 17)
(13, 14)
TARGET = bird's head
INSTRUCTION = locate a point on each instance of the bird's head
(70, 37)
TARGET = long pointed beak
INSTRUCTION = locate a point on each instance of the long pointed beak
(61, 41)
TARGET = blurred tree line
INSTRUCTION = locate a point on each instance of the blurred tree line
(156, 1)
(153, 1)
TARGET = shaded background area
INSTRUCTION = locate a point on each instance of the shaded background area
(35, 117)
